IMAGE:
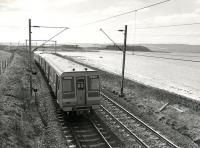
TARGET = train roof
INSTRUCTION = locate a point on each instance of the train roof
(62, 65)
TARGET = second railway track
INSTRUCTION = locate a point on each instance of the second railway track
(145, 135)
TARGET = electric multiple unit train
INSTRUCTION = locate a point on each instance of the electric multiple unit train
(76, 87)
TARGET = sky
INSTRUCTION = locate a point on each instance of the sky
(14, 15)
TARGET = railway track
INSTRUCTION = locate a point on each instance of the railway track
(70, 141)
(83, 131)
(145, 135)
(88, 134)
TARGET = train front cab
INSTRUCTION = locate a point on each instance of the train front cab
(80, 91)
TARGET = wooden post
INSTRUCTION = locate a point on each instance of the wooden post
(0, 68)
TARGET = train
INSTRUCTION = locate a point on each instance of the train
(75, 87)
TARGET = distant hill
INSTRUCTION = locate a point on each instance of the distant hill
(143, 47)
(173, 48)
(70, 46)
(129, 48)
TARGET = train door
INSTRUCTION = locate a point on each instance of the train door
(80, 90)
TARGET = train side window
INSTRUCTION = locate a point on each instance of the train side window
(50, 75)
(93, 82)
(68, 84)
(58, 84)
(47, 68)
(54, 78)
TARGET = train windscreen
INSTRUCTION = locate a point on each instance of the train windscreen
(93, 83)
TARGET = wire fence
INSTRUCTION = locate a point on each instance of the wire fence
(5, 63)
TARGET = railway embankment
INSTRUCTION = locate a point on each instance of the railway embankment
(52, 135)
(24, 122)
(20, 125)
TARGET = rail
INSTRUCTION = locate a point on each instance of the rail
(101, 135)
(78, 144)
(140, 121)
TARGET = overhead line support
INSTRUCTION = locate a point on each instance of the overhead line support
(30, 57)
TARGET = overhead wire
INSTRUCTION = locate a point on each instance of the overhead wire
(168, 58)
(50, 39)
(100, 20)
(121, 14)
(167, 26)
(135, 26)
(48, 27)
(115, 44)
(149, 27)
(189, 35)
(173, 25)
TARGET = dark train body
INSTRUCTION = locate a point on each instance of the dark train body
(76, 87)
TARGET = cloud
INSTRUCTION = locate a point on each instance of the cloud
(121, 7)
(64, 2)
(197, 10)
(6, 1)
(198, 1)
(37, 5)
(7, 5)
(169, 19)
(74, 13)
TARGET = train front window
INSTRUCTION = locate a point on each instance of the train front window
(93, 82)
(68, 84)
(80, 84)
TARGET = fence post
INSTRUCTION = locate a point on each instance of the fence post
(5, 63)
(0, 68)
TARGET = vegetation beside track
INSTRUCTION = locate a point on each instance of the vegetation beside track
(24, 121)
(53, 134)
(20, 125)
(39, 109)
(4, 55)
